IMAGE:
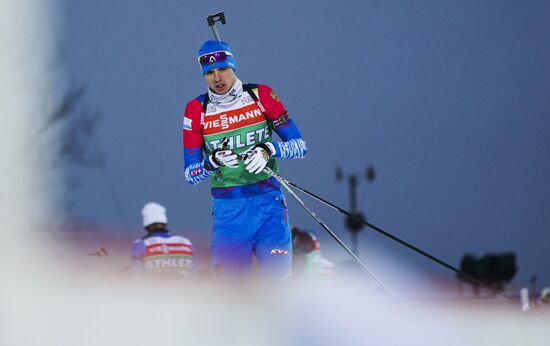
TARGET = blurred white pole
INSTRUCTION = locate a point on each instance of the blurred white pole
(29, 84)
(524, 296)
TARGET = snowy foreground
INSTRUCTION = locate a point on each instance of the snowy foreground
(46, 309)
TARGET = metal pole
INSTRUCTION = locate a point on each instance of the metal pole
(353, 204)
(353, 192)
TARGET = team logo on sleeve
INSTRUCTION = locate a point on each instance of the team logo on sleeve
(283, 119)
(274, 96)
(187, 123)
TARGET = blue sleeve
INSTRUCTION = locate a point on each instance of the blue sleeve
(194, 166)
(293, 145)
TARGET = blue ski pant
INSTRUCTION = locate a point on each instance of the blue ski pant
(248, 226)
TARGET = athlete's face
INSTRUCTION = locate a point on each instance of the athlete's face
(220, 80)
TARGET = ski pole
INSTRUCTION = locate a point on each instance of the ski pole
(332, 234)
(389, 235)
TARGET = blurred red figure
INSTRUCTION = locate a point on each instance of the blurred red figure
(308, 262)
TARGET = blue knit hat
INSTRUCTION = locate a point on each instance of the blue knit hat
(212, 46)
